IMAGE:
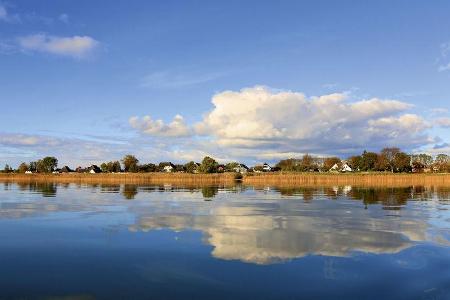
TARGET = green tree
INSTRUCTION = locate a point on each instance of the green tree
(368, 161)
(425, 159)
(229, 167)
(33, 166)
(23, 168)
(402, 162)
(130, 163)
(191, 167)
(7, 169)
(148, 168)
(47, 164)
(179, 168)
(208, 165)
(111, 167)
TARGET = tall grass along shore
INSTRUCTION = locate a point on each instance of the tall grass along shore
(275, 179)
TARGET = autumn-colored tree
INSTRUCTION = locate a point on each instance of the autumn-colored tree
(307, 163)
(389, 154)
(355, 162)
(329, 162)
(287, 165)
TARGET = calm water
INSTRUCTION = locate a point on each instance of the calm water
(134, 242)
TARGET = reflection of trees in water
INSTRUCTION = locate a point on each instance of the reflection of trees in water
(390, 198)
(129, 191)
(47, 189)
(209, 192)
(110, 188)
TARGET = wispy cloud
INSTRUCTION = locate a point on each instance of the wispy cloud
(443, 122)
(443, 60)
(64, 18)
(168, 79)
(74, 46)
(5, 16)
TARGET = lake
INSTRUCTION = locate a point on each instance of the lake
(68, 241)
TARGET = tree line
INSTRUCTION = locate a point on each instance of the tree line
(387, 160)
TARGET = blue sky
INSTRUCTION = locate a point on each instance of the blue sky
(77, 79)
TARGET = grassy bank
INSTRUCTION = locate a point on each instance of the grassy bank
(354, 179)
(262, 179)
(125, 178)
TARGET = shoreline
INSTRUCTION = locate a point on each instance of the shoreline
(267, 179)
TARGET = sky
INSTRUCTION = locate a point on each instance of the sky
(252, 81)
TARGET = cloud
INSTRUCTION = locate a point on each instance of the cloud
(443, 122)
(167, 79)
(5, 16)
(441, 146)
(75, 46)
(176, 128)
(8, 139)
(257, 116)
(64, 18)
(438, 111)
(443, 59)
(3, 13)
(262, 123)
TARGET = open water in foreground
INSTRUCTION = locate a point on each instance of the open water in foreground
(163, 242)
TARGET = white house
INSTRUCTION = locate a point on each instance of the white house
(28, 172)
(168, 169)
(334, 168)
(266, 167)
(344, 168)
(241, 168)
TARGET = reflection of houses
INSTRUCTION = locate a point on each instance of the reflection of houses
(240, 168)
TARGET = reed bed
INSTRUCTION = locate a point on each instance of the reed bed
(227, 179)
(126, 178)
(358, 179)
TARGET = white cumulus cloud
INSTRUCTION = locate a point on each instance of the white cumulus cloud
(74, 46)
(262, 122)
(176, 128)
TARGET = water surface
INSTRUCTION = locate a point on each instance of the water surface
(166, 242)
